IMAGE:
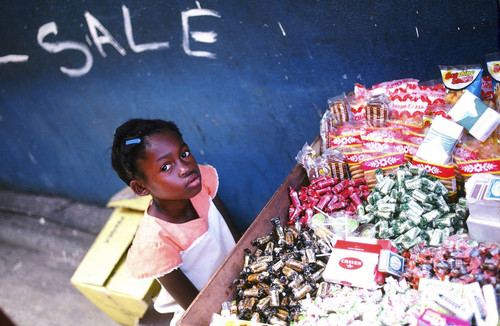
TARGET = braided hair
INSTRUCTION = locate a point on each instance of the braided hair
(130, 141)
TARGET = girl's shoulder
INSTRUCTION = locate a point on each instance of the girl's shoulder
(209, 179)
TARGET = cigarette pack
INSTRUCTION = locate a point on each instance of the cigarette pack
(355, 263)
(391, 263)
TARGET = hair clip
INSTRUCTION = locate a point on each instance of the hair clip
(132, 141)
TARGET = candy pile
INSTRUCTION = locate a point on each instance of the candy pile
(457, 259)
(282, 270)
(395, 304)
(410, 207)
(326, 194)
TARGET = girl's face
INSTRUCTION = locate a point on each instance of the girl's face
(171, 171)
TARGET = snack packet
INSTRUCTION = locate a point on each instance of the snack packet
(339, 108)
(459, 78)
(493, 64)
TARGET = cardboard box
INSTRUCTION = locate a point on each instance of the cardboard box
(219, 287)
(101, 276)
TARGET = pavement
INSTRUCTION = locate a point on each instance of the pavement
(42, 241)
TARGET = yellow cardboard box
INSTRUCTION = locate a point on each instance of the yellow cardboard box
(101, 275)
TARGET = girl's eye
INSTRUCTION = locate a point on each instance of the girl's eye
(186, 154)
(166, 167)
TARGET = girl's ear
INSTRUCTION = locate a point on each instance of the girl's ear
(139, 188)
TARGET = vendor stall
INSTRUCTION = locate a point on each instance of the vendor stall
(390, 217)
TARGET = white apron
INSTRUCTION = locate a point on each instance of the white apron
(200, 260)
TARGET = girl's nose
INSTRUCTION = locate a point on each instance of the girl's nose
(183, 170)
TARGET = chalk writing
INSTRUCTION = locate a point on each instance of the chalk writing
(100, 35)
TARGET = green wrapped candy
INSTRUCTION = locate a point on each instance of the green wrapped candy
(360, 210)
(442, 205)
(436, 237)
(419, 196)
(429, 184)
(374, 197)
(461, 211)
(427, 206)
(415, 207)
(387, 207)
(367, 218)
(401, 228)
(414, 183)
(396, 194)
(442, 222)
(387, 185)
(407, 243)
(441, 189)
(400, 175)
(413, 232)
(383, 215)
(432, 215)
(418, 171)
(414, 218)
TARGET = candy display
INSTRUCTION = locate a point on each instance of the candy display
(397, 222)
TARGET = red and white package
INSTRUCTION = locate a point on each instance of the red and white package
(355, 263)
(398, 84)
(357, 103)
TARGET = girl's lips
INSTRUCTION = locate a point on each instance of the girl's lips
(193, 180)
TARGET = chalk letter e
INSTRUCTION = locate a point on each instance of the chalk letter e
(205, 37)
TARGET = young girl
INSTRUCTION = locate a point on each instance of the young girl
(186, 232)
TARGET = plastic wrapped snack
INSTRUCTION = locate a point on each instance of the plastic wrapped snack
(377, 108)
(459, 78)
(315, 166)
(339, 108)
(337, 163)
(493, 63)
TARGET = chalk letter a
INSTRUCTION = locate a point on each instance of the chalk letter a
(106, 36)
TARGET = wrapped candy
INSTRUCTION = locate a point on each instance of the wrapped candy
(409, 206)
(456, 259)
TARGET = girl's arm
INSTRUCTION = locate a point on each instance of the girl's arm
(227, 217)
(179, 287)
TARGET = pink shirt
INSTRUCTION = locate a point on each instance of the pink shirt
(157, 246)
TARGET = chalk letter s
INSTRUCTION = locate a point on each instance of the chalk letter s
(51, 28)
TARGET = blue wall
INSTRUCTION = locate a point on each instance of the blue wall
(247, 111)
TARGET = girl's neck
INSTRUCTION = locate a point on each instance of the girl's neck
(179, 211)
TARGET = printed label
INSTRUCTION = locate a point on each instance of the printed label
(383, 162)
(350, 263)
(480, 166)
(437, 170)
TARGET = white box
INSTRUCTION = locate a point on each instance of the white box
(483, 197)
